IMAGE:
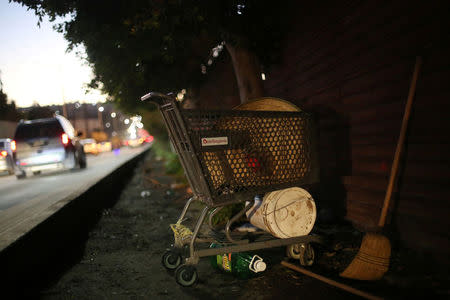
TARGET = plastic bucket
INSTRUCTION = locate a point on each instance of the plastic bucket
(285, 213)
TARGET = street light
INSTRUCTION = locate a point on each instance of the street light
(100, 117)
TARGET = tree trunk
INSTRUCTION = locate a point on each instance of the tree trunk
(248, 73)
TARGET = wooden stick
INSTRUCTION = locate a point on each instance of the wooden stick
(400, 144)
(331, 282)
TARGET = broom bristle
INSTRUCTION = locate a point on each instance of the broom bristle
(372, 260)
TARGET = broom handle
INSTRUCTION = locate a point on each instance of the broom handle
(400, 144)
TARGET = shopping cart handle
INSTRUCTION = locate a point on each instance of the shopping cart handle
(158, 98)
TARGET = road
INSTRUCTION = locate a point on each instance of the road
(24, 203)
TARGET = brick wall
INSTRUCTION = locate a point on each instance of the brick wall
(351, 63)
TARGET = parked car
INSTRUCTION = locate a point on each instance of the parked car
(6, 156)
(47, 144)
(104, 147)
(89, 146)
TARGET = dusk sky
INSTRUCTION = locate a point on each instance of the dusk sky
(34, 64)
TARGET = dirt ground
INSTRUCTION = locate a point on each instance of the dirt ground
(122, 257)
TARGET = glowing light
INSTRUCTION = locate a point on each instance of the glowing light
(113, 115)
(263, 76)
(240, 7)
(4, 153)
(126, 121)
(65, 139)
(13, 146)
(101, 108)
(132, 131)
(108, 125)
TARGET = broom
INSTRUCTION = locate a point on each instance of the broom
(372, 260)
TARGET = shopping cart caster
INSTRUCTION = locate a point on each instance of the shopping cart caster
(303, 252)
(186, 275)
(171, 260)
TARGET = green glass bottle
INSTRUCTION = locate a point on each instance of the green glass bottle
(241, 265)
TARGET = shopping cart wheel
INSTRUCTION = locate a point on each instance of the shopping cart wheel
(186, 275)
(303, 252)
(171, 260)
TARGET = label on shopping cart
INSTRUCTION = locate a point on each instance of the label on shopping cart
(214, 141)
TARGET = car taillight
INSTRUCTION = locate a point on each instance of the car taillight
(4, 153)
(13, 145)
(65, 139)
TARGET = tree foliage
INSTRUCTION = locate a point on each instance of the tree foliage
(137, 46)
(8, 111)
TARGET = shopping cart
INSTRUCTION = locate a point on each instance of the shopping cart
(229, 156)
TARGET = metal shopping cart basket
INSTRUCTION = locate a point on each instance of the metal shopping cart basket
(229, 156)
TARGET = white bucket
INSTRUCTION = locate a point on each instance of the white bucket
(285, 213)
